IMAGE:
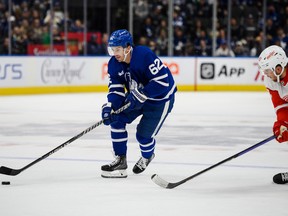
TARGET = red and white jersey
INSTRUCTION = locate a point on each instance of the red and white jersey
(279, 96)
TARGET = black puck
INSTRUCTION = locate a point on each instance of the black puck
(5, 182)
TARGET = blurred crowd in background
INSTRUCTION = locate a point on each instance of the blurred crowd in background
(192, 26)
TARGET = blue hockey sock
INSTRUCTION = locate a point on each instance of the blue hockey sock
(147, 145)
(119, 140)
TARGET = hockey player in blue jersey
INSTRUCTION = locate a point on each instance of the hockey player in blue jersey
(136, 76)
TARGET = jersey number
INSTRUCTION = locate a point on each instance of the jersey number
(156, 67)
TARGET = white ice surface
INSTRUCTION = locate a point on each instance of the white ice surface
(203, 129)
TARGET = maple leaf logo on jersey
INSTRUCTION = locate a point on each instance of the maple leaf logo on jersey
(121, 73)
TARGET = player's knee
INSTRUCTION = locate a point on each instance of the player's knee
(142, 139)
(117, 125)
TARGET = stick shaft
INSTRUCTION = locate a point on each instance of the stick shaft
(162, 183)
(8, 171)
(233, 156)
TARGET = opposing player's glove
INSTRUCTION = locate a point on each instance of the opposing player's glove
(136, 98)
(107, 115)
(280, 130)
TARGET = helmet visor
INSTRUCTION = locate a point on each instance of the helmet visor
(115, 50)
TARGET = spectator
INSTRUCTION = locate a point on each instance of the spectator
(203, 49)
(189, 49)
(162, 42)
(179, 42)
(104, 44)
(178, 20)
(162, 27)
(250, 29)
(141, 9)
(257, 48)
(284, 20)
(224, 50)
(203, 10)
(273, 14)
(36, 32)
(148, 30)
(143, 41)
(236, 30)
(203, 37)
(77, 26)
(153, 46)
(19, 41)
(45, 35)
(270, 30)
(4, 47)
(57, 38)
(56, 16)
(239, 49)
(94, 48)
(281, 38)
(191, 16)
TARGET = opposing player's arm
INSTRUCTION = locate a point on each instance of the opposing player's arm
(280, 130)
(281, 108)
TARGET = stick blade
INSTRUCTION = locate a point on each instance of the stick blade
(159, 181)
(8, 171)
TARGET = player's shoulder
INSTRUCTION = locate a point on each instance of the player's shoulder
(270, 84)
(142, 51)
(112, 61)
(113, 66)
(142, 56)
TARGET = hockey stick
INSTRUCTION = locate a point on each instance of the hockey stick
(165, 184)
(12, 172)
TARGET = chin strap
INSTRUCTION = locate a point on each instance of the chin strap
(279, 75)
(126, 53)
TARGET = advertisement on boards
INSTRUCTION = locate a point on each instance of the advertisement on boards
(228, 71)
(73, 74)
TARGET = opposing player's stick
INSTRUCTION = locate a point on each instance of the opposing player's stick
(163, 183)
(12, 172)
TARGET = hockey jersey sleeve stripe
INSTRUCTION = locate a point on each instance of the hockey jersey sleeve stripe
(160, 77)
(167, 95)
(281, 106)
(116, 86)
(118, 93)
(162, 83)
(157, 80)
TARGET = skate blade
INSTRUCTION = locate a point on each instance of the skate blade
(114, 174)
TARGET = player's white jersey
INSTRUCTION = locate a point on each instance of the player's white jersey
(279, 96)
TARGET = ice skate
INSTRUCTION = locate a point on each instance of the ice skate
(142, 164)
(116, 169)
(281, 178)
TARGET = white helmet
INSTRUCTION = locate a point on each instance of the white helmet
(271, 57)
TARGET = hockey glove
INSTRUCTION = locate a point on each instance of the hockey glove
(136, 98)
(107, 115)
(280, 131)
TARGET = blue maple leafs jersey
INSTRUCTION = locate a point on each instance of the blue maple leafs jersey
(145, 71)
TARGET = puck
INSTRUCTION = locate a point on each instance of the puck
(5, 182)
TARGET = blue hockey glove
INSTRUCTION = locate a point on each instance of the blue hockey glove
(107, 113)
(136, 99)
